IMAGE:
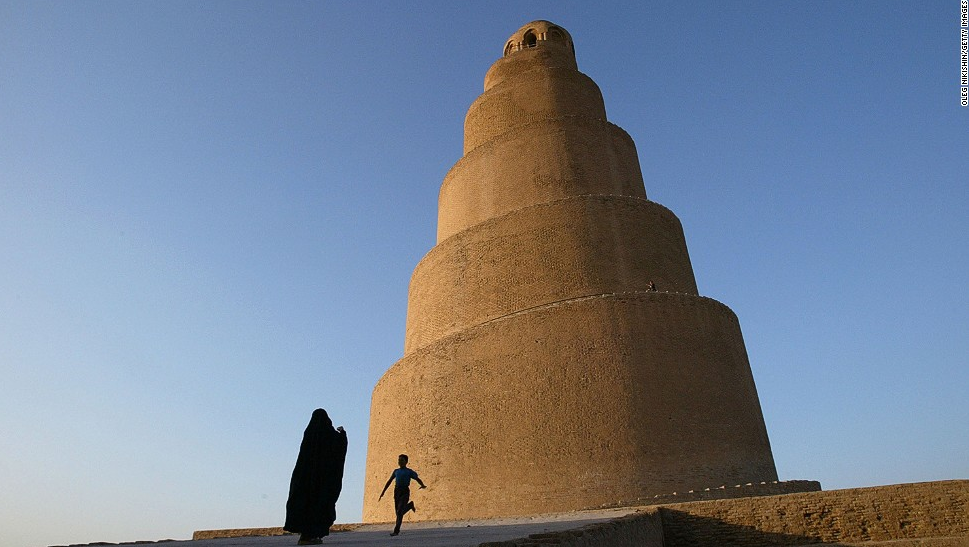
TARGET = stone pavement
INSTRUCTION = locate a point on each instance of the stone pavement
(469, 533)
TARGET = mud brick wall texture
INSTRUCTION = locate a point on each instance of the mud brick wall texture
(540, 374)
(884, 513)
(539, 162)
(573, 405)
(748, 490)
(933, 514)
(546, 253)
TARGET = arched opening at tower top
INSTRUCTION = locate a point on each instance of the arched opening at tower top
(558, 36)
(530, 39)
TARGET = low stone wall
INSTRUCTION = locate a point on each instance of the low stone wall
(748, 490)
(238, 533)
(883, 513)
(933, 514)
(259, 532)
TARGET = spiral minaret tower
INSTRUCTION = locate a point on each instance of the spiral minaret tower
(540, 371)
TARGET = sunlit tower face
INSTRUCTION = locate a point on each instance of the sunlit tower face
(556, 324)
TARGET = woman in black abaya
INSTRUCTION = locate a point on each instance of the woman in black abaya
(317, 480)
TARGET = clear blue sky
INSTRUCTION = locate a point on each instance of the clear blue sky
(210, 211)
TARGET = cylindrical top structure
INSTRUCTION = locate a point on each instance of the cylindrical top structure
(543, 40)
(538, 133)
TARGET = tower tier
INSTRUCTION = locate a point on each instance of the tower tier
(598, 400)
(545, 253)
(540, 93)
(541, 161)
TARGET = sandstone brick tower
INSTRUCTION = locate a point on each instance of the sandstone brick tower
(540, 373)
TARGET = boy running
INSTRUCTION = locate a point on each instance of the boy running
(402, 503)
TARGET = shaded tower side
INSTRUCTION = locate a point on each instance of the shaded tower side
(539, 372)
